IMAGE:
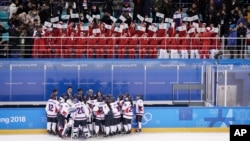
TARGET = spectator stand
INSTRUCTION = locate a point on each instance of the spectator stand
(184, 5)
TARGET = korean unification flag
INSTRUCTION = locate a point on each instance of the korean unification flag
(90, 19)
(66, 17)
(215, 30)
(84, 28)
(163, 26)
(150, 20)
(113, 19)
(55, 19)
(140, 17)
(187, 19)
(201, 30)
(97, 30)
(47, 24)
(122, 18)
(96, 16)
(57, 26)
(74, 16)
(169, 20)
(141, 28)
(195, 17)
(196, 25)
(124, 26)
(177, 16)
(108, 26)
(160, 15)
(191, 30)
(152, 28)
(64, 26)
(117, 29)
(182, 28)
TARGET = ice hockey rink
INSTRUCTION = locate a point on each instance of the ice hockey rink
(132, 137)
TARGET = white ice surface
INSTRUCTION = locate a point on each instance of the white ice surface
(132, 137)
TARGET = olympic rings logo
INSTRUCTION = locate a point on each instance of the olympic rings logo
(149, 65)
(197, 65)
(99, 66)
(145, 119)
(49, 65)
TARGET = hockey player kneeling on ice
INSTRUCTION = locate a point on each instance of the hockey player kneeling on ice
(127, 114)
(51, 109)
(65, 110)
(80, 117)
(139, 111)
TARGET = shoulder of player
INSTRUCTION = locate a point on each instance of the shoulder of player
(52, 101)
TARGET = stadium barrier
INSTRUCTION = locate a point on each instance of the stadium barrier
(123, 47)
(166, 81)
(155, 119)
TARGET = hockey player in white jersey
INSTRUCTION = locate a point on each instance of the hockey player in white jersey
(127, 109)
(51, 109)
(108, 116)
(65, 110)
(139, 108)
(120, 102)
(80, 117)
(99, 114)
(115, 125)
(90, 102)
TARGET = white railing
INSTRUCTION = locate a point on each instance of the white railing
(123, 47)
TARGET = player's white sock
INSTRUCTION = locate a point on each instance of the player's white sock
(64, 129)
(139, 125)
(126, 127)
(129, 126)
(112, 129)
(54, 127)
(97, 129)
(103, 128)
(115, 128)
(107, 130)
(119, 126)
(90, 127)
(48, 126)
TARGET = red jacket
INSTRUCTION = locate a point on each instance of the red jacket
(161, 32)
(101, 43)
(165, 43)
(133, 43)
(175, 43)
(143, 42)
(206, 39)
(70, 42)
(81, 43)
(153, 42)
(195, 43)
(185, 43)
(123, 42)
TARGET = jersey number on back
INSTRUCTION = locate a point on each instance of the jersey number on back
(80, 110)
(51, 107)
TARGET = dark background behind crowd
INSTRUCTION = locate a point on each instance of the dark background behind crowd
(25, 16)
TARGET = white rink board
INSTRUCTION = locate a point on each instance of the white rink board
(132, 137)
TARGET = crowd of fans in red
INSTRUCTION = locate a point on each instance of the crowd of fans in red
(130, 29)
